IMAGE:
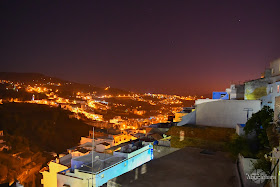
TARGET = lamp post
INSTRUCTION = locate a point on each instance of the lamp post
(92, 155)
(92, 160)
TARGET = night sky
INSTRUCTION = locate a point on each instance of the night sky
(180, 47)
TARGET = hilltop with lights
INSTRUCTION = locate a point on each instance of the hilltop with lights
(88, 101)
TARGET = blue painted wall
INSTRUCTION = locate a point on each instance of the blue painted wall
(220, 95)
(76, 164)
(124, 166)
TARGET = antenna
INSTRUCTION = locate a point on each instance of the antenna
(248, 110)
(92, 156)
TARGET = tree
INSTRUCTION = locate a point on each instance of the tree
(240, 144)
(258, 124)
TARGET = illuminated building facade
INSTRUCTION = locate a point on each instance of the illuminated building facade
(267, 87)
(50, 172)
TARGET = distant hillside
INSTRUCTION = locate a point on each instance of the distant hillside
(27, 77)
(32, 130)
(46, 128)
(67, 87)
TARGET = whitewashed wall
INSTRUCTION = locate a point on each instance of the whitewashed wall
(225, 113)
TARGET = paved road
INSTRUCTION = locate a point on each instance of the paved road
(186, 167)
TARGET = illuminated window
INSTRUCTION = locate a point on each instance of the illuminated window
(272, 70)
(271, 89)
(277, 88)
(102, 176)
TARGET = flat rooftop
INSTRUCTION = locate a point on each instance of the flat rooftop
(112, 149)
(87, 144)
(185, 167)
(66, 160)
(101, 164)
(87, 158)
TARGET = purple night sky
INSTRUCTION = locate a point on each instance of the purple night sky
(181, 47)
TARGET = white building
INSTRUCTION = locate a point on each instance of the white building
(222, 113)
(105, 167)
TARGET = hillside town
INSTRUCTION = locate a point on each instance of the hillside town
(97, 107)
(140, 93)
(121, 145)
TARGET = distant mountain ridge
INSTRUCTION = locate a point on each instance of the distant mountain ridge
(24, 77)
(69, 86)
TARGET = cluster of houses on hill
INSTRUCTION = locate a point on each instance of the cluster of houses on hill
(108, 157)
(95, 161)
